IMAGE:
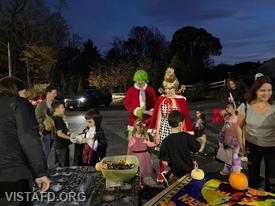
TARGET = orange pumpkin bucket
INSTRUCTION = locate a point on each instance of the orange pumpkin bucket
(238, 180)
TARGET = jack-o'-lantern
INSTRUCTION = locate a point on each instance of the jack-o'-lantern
(197, 173)
(238, 180)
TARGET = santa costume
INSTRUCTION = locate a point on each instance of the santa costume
(139, 101)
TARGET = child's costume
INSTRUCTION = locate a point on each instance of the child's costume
(228, 137)
(199, 127)
(138, 146)
(87, 152)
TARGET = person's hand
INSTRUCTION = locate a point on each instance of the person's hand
(157, 139)
(72, 136)
(85, 141)
(242, 150)
(43, 183)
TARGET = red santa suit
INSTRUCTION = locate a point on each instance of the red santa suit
(181, 105)
(139, 98)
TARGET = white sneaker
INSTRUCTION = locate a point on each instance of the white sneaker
(166, 178)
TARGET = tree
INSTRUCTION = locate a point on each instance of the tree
(75, 62)
(41, 59)
(90, 57)
(145, 48)
(30, 22)
(191, 50)
(66, 73)
(111, 76)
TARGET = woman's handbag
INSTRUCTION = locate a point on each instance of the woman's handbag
(224, 154)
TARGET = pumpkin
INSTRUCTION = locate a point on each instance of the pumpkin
(238, 180)
(197, 173)
(98, 166)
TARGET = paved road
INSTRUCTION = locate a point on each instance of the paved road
(115, 119)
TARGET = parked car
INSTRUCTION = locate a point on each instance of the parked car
(89, 98)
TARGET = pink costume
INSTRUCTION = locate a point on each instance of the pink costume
(229, 128)
(228, 136)
(138, 146)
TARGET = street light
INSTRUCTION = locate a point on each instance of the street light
(9, 56)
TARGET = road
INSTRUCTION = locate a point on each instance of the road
(115, 119)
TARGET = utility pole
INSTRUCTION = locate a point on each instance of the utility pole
(9, 59)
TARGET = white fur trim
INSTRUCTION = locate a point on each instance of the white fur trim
(142, 99)
(180, 97)
(142, 96)
(135, 111)
(148, 112)
(191, 132)
(137, 87)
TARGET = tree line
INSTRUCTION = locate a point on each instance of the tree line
(44, 51)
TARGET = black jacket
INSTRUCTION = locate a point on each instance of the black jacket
(21, 154)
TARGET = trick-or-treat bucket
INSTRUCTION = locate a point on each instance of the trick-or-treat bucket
(123, 175)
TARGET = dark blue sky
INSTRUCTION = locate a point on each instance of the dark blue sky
(246, 28)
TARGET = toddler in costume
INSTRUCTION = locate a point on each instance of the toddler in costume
(88, 155)
(199, 127)
(228, 137)
(138, 145)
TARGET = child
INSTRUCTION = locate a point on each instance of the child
(176, 147)
(228, 137)
(100, 136)
(87, 154)
(62, 135)
(199, 127)
(138, 145)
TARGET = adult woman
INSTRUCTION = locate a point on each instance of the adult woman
(258, 117)
(7, 82)
(21, 155)
(43, 110)
(236, 90)
(165, 104)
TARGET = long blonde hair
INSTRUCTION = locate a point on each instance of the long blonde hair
(134, 131)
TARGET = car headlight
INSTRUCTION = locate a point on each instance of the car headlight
(82, 99)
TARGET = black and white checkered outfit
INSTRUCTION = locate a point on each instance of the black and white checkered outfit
(165, 128)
